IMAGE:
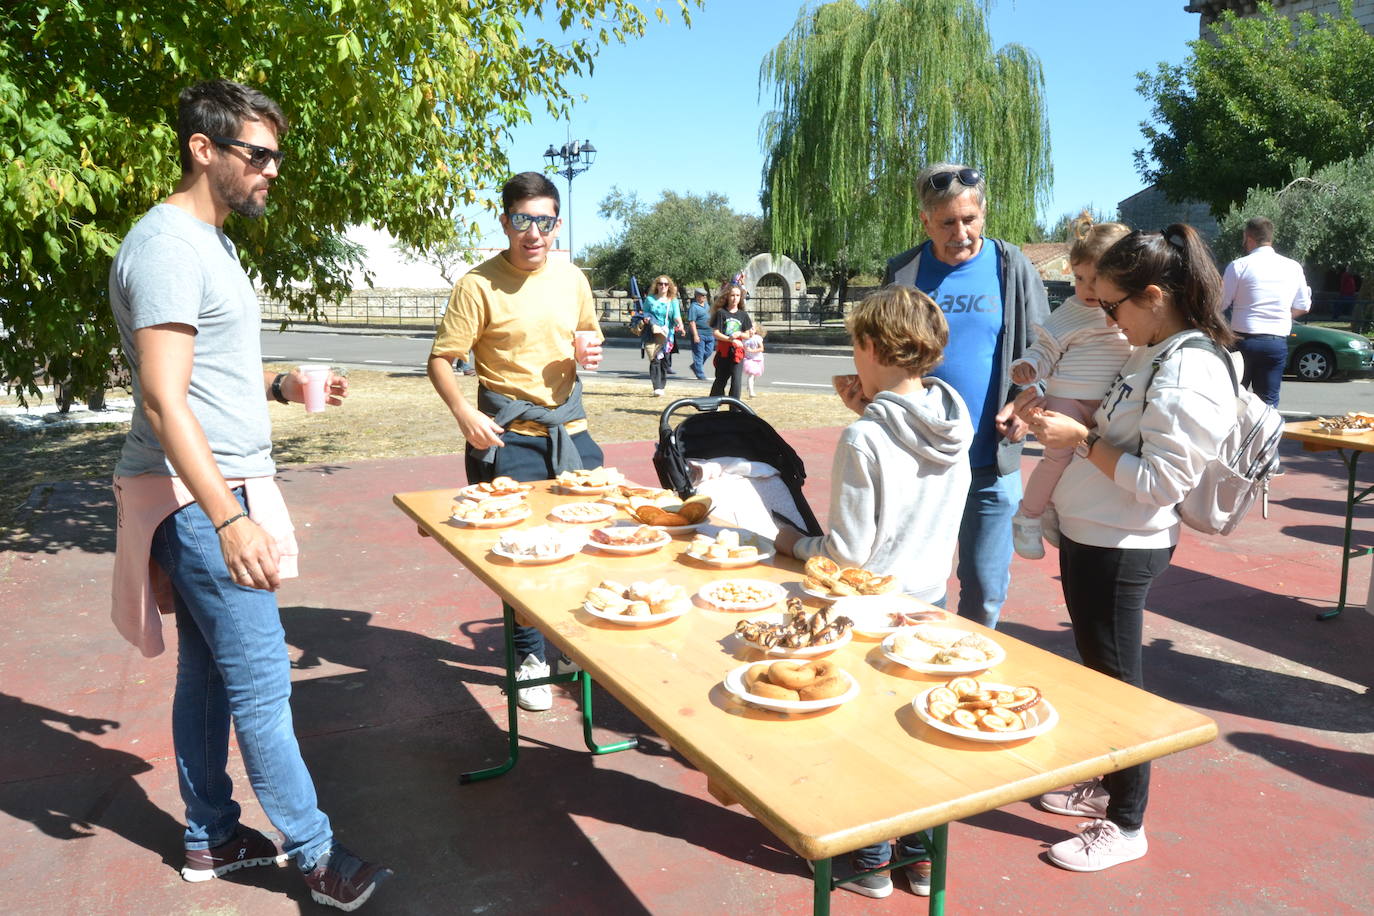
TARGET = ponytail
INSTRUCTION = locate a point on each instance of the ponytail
(1179, 262)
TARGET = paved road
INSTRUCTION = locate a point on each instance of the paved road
(795, 371)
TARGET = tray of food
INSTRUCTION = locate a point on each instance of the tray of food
(876, 616)
(731, 548)
(985, 711)
(933, 649)
(497, 512)
(499, 486)
(638, 604)
(1352, 424)
(582, 513)
(620, 496)
(672, 517)
(629, 539)
(827, 579)
(742, 594)
(544, 544)
(789, 685)
(795, 633)
(593, 481)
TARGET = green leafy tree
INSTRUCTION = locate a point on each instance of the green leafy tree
(866, 94)
(695, 239)
(1322, 217)
(1244, 107)
(399, 115)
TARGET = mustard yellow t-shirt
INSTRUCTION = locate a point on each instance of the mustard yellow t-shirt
(519, 326)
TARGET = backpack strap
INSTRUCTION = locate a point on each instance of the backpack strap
(1198, 341)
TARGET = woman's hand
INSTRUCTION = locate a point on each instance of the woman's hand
(1056, 430)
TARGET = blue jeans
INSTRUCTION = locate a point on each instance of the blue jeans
(1264, 356)
(985, 549)
(527, 458)
(232, 664)
(705, 345)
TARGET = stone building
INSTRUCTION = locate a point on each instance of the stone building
(1211, 10)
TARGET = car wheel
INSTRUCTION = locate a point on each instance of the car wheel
(1314, 363)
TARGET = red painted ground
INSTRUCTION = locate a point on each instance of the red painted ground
(398, 651)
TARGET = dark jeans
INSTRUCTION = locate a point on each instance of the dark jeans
(1264, 356)
(1105, 589)
(700, 350)
(658, 373)
(526, 458)
(727, 371)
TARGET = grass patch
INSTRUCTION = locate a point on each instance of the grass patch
(387, 415)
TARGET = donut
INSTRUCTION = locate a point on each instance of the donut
(824, 688)
(791, 675)
(824, 669)
(773, 691)
(754, 675)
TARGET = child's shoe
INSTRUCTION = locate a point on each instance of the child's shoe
(1049, 526)
(1025, 537)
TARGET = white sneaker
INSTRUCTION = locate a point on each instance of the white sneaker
(1084, 799)
(1100, 845)
(1025, 537)
(1049, 526)
(535, 699)
(565, 665)
(658, 392)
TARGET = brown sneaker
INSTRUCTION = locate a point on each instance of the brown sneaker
(918, 876)
(247, 849)
(343, 880)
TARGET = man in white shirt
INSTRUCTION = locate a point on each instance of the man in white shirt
(1264, 291)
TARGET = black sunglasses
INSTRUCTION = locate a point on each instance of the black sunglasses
(969, 178)
(258, 156)
(522, 221)
(1111, 307)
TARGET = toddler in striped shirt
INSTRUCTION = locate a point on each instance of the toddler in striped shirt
(1076, 357)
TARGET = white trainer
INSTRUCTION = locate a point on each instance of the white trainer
(1049, 526)
(540, 697)
(1025, 537)
(1084, 799)
(1100, 845)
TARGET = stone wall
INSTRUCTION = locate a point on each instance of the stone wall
(1210, 10)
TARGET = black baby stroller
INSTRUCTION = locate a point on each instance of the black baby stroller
(752, 475)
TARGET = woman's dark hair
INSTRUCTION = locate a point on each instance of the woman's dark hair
(218, 108)
(527, 186)
(1179, 262)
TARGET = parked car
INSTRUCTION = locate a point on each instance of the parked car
(1316, 354)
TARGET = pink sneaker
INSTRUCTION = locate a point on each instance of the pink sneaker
(1100, 845)
(1085, 799)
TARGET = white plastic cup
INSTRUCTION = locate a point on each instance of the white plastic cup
(316, 377)
(581, 341)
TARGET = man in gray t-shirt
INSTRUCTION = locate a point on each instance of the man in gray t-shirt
(199, 458)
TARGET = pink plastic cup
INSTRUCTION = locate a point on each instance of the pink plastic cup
(316, 377)
(582, 340)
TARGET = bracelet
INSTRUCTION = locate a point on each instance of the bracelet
(277, 394)
(229, 521)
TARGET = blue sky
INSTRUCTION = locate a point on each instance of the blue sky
(680, 109)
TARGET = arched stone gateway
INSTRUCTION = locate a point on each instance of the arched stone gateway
(785, 274)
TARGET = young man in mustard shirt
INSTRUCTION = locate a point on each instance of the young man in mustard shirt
(518, 313)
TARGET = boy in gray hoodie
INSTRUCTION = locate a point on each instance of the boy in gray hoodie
(900, 472)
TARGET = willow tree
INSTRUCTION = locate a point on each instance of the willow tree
(865, 94)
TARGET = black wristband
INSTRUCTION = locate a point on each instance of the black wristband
(229, 521)
(277, 394)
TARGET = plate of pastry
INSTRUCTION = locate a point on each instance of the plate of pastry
(985, 711)
(816, 685)
(638, 604)
(933, 649)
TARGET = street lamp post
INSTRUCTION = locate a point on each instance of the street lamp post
(574, 157)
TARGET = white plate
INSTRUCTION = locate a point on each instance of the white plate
(632, 549)
(632, 621)
(500, 522)
(816, 593)
(734, 562)
(606, 513)
(781, 652)
(472, 491)
(599, 490)
(536, 561)
(734, 682)
(1041, 718)
(925, 666)
(869, 612)
(776, 595)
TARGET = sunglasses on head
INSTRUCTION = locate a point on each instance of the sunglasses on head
(258, 156)
(1111, 307)
(969, 178)
(522, 221)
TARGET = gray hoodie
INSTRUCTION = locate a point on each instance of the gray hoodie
(897, 489)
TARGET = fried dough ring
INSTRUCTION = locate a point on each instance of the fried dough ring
(773, 692)
(827, 687)
(824, 668)
(822, 568)
(755, 675)
(791, 675)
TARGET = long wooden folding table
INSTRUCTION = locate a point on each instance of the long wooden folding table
(825, 783)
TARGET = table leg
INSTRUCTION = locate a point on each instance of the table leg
(820, 887)
(1352, 499)
(592, 746)
(512, 710)
(937, 844)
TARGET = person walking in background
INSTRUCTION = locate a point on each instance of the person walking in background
(1161, 423)
(664, 320)
(729, 325)
(1264, 291)
(518, 313)
(994, 299)
(699, 329)
(1076, 358)
(753, 357)
(197, 496)
(1346, 289)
